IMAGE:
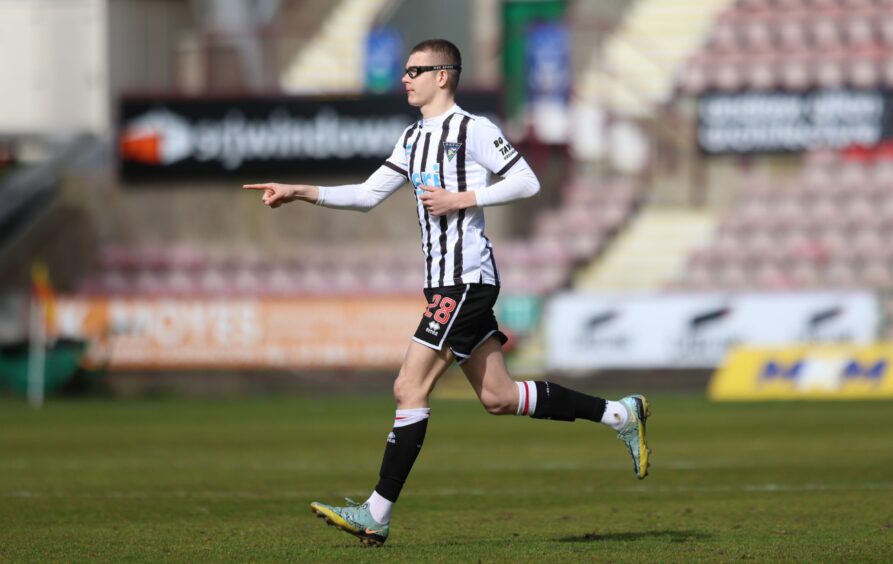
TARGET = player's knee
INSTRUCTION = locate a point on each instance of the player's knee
(498, 403)
(406, 392)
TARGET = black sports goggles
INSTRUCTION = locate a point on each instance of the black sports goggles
(416, 71)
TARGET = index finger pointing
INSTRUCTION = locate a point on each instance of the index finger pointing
(256, 186)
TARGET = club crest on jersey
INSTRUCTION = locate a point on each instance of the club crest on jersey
(451, 149)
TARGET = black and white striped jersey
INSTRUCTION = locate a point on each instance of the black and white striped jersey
(455, 151)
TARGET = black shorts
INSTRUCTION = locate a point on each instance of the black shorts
(460, 316)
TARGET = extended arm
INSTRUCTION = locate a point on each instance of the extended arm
(363, 197)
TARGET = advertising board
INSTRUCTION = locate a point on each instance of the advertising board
(603, 331)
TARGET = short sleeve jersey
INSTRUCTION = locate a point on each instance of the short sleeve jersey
(456, 151)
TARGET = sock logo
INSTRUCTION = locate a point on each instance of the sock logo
(392, 438)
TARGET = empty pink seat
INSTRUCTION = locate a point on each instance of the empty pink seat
(724, 37)
(149, 282)
(730, 75)
(761, 72)
(830, 70)
(864, 69)
(757, 33)
(215, 282)
(797, 72)
(826, 31)
(859, 29)
(181, 282)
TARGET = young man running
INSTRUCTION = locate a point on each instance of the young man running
(447, 156)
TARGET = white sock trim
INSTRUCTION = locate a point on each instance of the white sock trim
(526, 397)
(380, 508)
(531, 397)
(522, 398)
(406, 417)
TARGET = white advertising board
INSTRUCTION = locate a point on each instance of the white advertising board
(586, 331)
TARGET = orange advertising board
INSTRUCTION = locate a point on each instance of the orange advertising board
(263, 333)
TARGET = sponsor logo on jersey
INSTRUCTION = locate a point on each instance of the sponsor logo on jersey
(427, 178)
(505, 148)
(451, 150)
(433, 328)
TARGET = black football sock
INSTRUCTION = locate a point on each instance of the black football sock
(404, 443)
(563, 404)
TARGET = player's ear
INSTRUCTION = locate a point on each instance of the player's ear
(442, 78)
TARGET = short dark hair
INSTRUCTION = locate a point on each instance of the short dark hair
(446, 53)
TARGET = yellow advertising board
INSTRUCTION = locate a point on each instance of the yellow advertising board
(805, 372)
(263, 333)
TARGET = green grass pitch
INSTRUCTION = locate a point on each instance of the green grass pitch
(179, 480)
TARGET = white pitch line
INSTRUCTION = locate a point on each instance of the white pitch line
(21, 464)
(449, 492)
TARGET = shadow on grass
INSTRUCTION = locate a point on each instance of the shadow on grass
(674, 536)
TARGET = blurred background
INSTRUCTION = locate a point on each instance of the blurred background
(717, 192)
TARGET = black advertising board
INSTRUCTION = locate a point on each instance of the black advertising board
(173, 138)
(774, 122)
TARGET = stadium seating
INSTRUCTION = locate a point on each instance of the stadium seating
(795, 45)
(828, 228)
(590, 213)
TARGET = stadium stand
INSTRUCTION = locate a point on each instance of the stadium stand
(826, 228)
(589, 215)
(637, 66)
(654, 248)
(796, 45)
(332, 60)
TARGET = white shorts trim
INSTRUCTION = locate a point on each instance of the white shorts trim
(427, 344)
(463, 357)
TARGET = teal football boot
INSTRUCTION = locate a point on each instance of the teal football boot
(633, 433)
(355, 519)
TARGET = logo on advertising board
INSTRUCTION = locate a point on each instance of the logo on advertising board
(161, 137)
(822, 371)
(595, 331)
(158, 137)
(703, 336)
(824, 325)
(697, 330)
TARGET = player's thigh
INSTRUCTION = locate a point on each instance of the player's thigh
(422, 366)
(488, 375)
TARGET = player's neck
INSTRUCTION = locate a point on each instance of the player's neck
(437, 107)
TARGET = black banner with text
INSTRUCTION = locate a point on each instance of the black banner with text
(171, 138)
(769, 122)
